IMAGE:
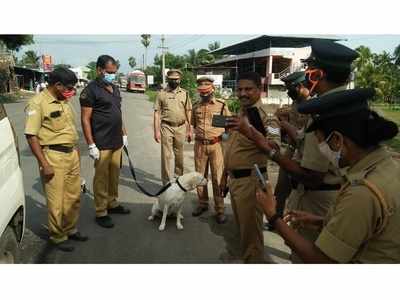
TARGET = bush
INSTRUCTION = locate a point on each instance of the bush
(188, 82)
(233, 105)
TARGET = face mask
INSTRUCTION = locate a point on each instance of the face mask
(332, 156)
(292, 93)
(205, 90)
(173, 84)
(68, 94)
(109, 77)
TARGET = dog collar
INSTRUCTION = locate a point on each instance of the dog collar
(180, 186)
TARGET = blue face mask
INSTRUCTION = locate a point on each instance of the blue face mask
(109, 77)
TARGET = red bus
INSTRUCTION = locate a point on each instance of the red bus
(136, 82)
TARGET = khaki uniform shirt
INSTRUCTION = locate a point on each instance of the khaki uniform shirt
(349, 233)
(312, 157)
(51, 120)
(242, 153)
(202, 118)
(173, 105)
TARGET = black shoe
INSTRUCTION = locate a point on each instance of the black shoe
(220, 218)
(119, 210)
(78, 237)
(63, 246)
(199, 210)
(105, 222)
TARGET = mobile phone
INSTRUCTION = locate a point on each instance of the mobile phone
(260, 177)
(255, 120)
(218, 121)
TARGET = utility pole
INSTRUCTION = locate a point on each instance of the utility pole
(163, 48)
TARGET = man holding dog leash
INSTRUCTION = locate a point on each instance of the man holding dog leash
(105, 134)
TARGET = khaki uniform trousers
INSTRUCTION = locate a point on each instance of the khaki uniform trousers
(105, 181)
(315, 202)
(63, 194)
(249, 217)
(172, 141)
(205, 157)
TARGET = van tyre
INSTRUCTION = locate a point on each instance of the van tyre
(9, 249)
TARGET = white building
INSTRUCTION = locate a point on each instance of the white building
(273, 57)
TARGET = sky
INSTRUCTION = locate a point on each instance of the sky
(79, 50)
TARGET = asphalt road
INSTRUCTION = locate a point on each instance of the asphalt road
(134, 239)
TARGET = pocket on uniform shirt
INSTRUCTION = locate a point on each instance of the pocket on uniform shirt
(58, 123)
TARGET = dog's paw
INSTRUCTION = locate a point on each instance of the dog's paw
(150, 218)
(161, 227)
(179, 226)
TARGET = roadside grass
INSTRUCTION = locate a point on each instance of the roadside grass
(152, 95)
(393, 115)
(13, 97)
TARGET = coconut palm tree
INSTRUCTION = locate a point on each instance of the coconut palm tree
(146, 43)
(132, 62)
(396, 55)
(31, 58)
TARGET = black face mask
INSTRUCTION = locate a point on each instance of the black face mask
(292, 93)
(173, 84)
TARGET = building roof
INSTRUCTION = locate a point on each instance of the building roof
(31, 69)
(269, 41)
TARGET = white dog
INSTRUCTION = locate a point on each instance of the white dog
(171, 201)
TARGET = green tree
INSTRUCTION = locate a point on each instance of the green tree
(31, 59)
(15, 42)
(132, 62)
(146, 43)
(92, 74)
(396, 55)
(214, 46)
(378, 71)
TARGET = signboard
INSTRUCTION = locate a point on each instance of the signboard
(47, 62)
(217, 79)
(150, 79)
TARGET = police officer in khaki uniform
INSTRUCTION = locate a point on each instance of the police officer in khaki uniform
(315, 181)
(363, 225)
(292, 123)
(51, 132)
(172, 114)
(240, 156)
(207, 148)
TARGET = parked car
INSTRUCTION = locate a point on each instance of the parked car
(12, 196)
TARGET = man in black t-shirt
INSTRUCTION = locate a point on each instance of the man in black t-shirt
(105, 134)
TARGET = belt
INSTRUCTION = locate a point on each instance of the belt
(60, 148)
(321, 187)
(209, 142)
(240, 173)
(172, 124)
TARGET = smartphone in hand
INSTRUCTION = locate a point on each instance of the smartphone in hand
(218, 121)
(260, 177)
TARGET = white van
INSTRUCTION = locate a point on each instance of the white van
(12, 196)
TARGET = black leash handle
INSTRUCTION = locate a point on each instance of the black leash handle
(132, 169)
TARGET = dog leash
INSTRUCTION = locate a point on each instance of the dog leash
(132, 169)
